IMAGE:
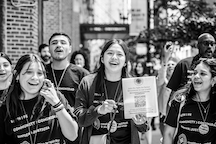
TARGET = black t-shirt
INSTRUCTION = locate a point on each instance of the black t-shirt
(179, 76)
(189, 123)
(121, 134)
(70, 81)
(23, 129)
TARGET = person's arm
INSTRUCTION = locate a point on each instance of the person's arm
(171, 123)
(141, 123)
(69, 126)
(168, 134)
(85, 112)
(162, 72)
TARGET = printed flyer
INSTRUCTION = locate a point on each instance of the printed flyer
(140, 96)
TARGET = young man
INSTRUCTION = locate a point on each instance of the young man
(65, 76)
(206, 47)
(44, 53)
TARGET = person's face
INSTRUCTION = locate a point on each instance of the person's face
(170, 67)
(5, 69)
(139, 69)
(202, 78)
(114, 58)
(31, 77)
(79, 60)
(60, 47)
(207, 47)
(45, 54)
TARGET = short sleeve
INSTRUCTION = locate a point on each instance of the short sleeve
(175, 79)
(172, 115)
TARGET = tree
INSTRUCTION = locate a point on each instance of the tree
(192, 18)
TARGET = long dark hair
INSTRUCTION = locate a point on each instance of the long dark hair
(188, 90)
(144, 69)
(72, 60)
(101, 69)
(14, 91)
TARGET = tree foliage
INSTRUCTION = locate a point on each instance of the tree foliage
(192, 18)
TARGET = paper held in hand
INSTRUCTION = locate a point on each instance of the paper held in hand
(140, 96)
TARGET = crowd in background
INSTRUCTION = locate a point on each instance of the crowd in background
(53, 97)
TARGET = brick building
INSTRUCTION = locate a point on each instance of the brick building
(27, 23)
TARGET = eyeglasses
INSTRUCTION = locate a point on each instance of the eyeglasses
(207, 43)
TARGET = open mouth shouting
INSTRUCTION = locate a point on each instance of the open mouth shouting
(113, 63)
(58, 50)
(197, 83)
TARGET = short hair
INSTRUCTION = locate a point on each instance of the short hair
(42, 46)
(59, 34)
(204, 36)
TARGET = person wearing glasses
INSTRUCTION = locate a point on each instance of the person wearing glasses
(191, 117)
(181, 74)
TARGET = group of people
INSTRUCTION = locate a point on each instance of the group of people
(186, 90)
(190, 116)
(60, 102)
(49, 98)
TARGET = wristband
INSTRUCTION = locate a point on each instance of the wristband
(59, 108)
(57, 105)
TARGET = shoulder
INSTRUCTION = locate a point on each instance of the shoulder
(187, 60)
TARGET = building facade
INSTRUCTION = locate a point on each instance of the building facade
(25, 24)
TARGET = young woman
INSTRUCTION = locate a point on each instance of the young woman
(140, 69)
(99, 100)
(192, 113)
(34, 111)
(79, 58)
(5, 75)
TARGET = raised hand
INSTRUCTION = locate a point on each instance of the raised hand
(168, 50)
(49, 93)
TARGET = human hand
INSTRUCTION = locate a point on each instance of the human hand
(139, 119)
(107, 106)
(49, 93)
(168, 50)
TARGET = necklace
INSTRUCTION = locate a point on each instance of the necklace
(112, 124)
(203, 128)
(33, 140)
(60, 80)
(205, 109)
(31, 117)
